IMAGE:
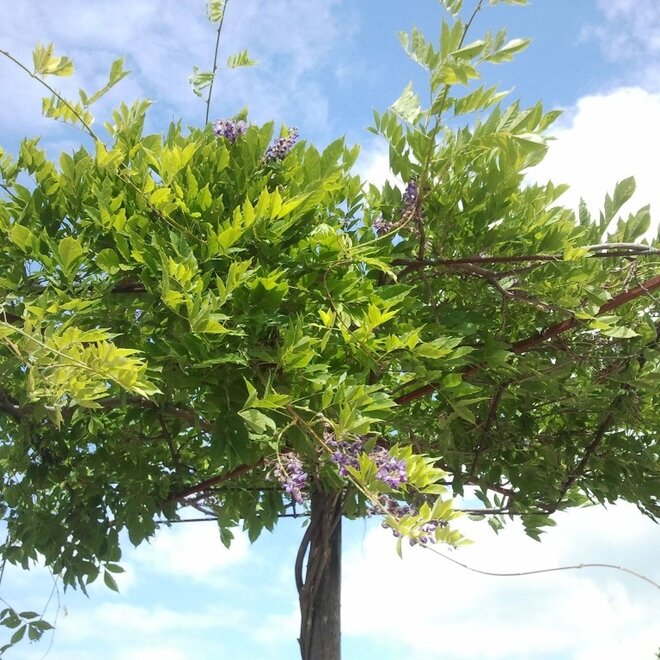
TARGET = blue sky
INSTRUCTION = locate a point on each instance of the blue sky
(324, 66)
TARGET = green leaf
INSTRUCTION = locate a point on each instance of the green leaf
(69, 251)
(257, 421)
(42, 625)
(240, 59)
(18, 634)
(109, 581)
(620, 332)
(200, 80)
(230, 440)
(623, 191)
(470, 51)
(452, 6)
(637, 224)
(22, 237)
(506, 52)
(215, 10)
(407, 106)
(117, 73)
(463, 411)
(452, 380)
(108, 261)
(46, 64)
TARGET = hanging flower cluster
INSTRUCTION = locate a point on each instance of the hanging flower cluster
(382, 226)
(398, 510)
(291, 476)
(346, 453)
(410, 210)
(229, 128)
(410, 195)
(281, 147)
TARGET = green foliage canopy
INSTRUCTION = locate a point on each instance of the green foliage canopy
(177, 314)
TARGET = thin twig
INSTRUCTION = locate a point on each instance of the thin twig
(215, 62)
(542, 570)
(481, 445)
(54, 92)
(600, 250)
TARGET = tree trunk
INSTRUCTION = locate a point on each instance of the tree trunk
(320, 590)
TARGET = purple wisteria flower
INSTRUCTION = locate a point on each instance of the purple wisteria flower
(289, 472)
(410, 195)
(390, 470)
(382, 226)
(399, 510)
(229, 128)
(428, 532)
(281, 147)
(346, 453)
(393, 507)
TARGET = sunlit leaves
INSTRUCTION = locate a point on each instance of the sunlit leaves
(452, 6)
(215, 10)
(419, 49)
(66, 364)
(506, 52)
(200, 80)
(69, 251)
(69, 112)
(240, 59)
(48, 64)
(407, 106)
(116, 75)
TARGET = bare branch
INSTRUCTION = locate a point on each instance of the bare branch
(213, 481)
(492, 411)
(599, 250)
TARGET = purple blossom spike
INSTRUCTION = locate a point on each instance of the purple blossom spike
(382, 226)
(410, 196)
(281, 147)
(345, 453)
(289, 472)
(390, 470)
(229, 128)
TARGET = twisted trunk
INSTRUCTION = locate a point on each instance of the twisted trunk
(319, 590)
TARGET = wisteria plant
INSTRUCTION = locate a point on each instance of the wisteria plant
(231, 320)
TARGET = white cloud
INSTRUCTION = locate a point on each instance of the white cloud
(191, 552)
(603, 139)
(433, 608)
(291, 42)
(121, 631)
(374, 164)
(629, 33)
(631, 28)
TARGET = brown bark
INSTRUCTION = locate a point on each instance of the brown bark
(320, 590)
